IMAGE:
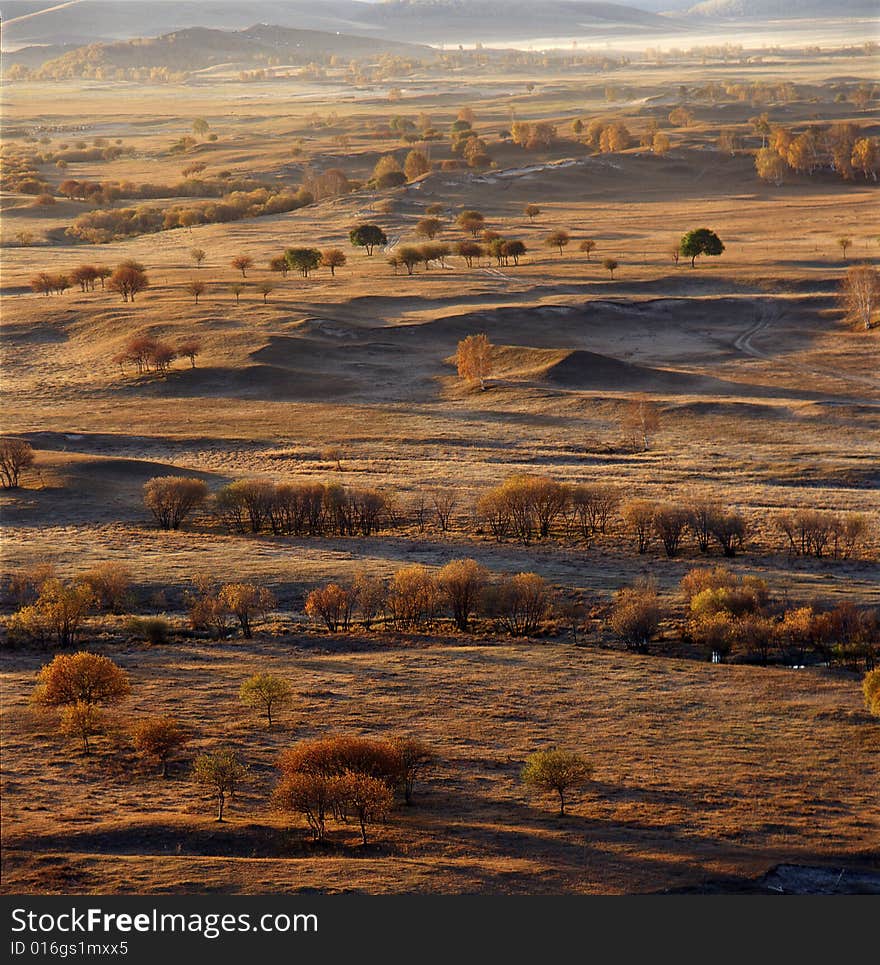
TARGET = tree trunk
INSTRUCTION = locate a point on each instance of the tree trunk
(221, 800)
(561, 804)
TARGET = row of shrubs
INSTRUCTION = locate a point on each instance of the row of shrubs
(524, 508)
(106, 225)
(724, 613)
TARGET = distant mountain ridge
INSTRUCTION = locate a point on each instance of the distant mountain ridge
(783, 9)
(195, 48)
(420, 21)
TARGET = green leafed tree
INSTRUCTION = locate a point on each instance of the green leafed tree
(701, 241)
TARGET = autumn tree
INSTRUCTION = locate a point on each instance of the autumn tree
(415, 165)
(469, 250)
(428, 228)
(844, 244)
(701, 241)
(128, 281)
(247, 602)
(521, 602)
(16, 456)
(635, 615)
(158, 739)
(387, 172)
(462, 582)
(770, 166)
(414, 757)
(409, 256)
(242, 263)
(640, 421)
(471, 221)
(189, 348)
(367, 236)
(557, 771)
(557, 239)
(610, 265)
(265, 692)
(236, 290)
(660, 144)
(57, 614)
(333, 258)
(367, 798)
(333, 605)
(265, 288)
(200, 127)
(171, 499)
(531, 211)
(871, 691)
(82, 720)
(670, 523)
(473, 359)
(198, 256)
(588, 246)
(860, 297)
(220, 772)
(279, 263)
(196, 289)
(81, 678)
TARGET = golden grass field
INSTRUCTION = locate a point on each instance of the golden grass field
(769, 401)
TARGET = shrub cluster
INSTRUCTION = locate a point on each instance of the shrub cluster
(416, 597)
(345, 778)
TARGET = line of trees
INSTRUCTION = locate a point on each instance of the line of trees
(524, 508)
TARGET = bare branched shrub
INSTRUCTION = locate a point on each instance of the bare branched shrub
(110, 584)
(413, 597)
(670, 523)
(172, 499)
(638, 515)
(521, 603)
(16, 456)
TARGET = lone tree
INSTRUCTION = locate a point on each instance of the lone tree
(198, 256)
(81, 678)
(128, 281)
(242, 263)
(640, 420)
(531, 211)
(265, 288)
(196, 288)
(588, 246)
(221, 772)
(158, 738)
(83, 721)
(701, 241)
(16, 456)
(304, 260)
(557, 770)
(333, 258)
(860, 295)
(265, 692)
(200, 127)
(844, 244)
(367, 236)
(172, 498)
(611, 265)
(557, 239)
(236, 290)
(474, 359)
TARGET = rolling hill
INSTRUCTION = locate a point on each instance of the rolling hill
(778, 9)
(435, 22)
